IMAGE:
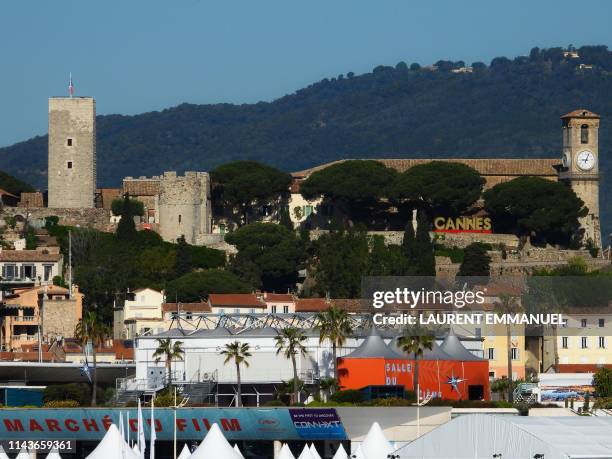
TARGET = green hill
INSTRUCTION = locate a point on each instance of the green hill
(509, 108)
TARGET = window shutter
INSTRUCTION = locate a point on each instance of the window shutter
(34, 272)
(3, 271)
(21, 272)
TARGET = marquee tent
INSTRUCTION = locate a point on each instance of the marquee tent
(340, 453)
(375, 445)
(23, 454)
(238, 451)
(53, 454)
(214, 445)
(285, 452)
(486, 435)
(112, 446)
(3, 455)
(185, 453)
(313, 452)
(305, 454)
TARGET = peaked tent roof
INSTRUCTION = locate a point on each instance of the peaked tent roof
(112, 446)
(483, 435)
(185, 453)
(375, 445)
(305, 454)
(340, 453)
(453, 347)
(314, 453)
(285, 452)
(215, 445)
(238, 450)
(53, 454)
(435, 353)
(3, 455)
(373, 347)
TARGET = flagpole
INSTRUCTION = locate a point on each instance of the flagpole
(175, 422)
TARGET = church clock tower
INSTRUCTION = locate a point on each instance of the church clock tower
(580, 168)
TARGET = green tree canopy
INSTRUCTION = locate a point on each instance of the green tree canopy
(241, 183)
(358, 184)
(439, 186)
(532, 206)
(476, 261)
(197, 285)
(269, 255)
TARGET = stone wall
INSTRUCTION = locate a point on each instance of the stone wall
(60, 318)
(96, 218)
(72, 152)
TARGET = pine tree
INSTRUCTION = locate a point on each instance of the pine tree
(476, 261)
(183, 263)
(285, 218)
(126, 229)
(422, 258)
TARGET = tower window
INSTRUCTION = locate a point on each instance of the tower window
(69, 164)
(69, 142)
(584, 133)
(179, 218)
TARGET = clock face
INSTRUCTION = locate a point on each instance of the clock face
(585, 160)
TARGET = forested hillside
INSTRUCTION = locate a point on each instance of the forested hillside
(509, 108)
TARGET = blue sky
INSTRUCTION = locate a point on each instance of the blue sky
(141, 55)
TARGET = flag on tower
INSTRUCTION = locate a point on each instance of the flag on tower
(71, 86)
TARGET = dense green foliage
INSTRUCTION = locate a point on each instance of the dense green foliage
(508, 109)
(476, 262)
(441, 187)
(269, 255)
(602, 380)
(13, 185)
(532, 206)
(196, 286)
(78, 392)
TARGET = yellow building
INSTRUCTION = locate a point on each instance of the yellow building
(586, 338)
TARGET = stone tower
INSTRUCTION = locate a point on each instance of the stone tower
(580, 168)
(72, 152)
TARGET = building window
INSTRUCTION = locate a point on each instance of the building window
(221, 311)
(274, 309)
(307, 211)
(602, 342)
(29, 271)
(584, 342)
(9, 271)
(222, 228)
(180, 218)
(252, 310)
(173, 315)
(514, 352)
(584, 133)
(564, 342)
(236, 311)
(286, 309)
(491, 353)
(188, 315)
(69, 142)
(69, 164)
(583, 323)
(48, 270)
(601, 323)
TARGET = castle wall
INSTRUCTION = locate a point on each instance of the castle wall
(97, 218)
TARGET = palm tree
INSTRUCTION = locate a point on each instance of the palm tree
(508, 304)
(334, 325)
(290, 341)
(90, 329)
(169, 352)
(414, 341)
(238, 352)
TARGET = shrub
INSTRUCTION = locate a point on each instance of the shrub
(347, 396)
(61, 404)
(274, 403)
(80, 392)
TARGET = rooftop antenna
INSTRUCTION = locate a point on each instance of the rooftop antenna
(71, 86)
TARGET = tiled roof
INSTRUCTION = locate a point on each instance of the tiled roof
(235, 300)
(28, 255)
(486, 167)
(141, 187)
(278, 297)
(311, 304)
(6, 193)
(581, 113)
(186, 307)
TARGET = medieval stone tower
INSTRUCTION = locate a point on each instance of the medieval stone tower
(72, 152)
(581, 166)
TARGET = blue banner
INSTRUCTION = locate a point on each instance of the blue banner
(191, 423)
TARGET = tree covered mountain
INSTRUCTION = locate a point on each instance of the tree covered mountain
(509, 108)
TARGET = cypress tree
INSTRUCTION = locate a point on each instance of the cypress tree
(183, 263)
(423, 259)
(126, 229)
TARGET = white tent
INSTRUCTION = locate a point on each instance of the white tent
(358, 454)
(313, 452)
(23, 454)
(135, 449)
(285, 452)
(112, 446)
(3, 455)
(214, 445)
(238, 450)
(53, 454)
(305, 454)
(375, 445)
(185, 453)
(340, 453)
(482, 436)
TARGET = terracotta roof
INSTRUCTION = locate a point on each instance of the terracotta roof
(278, 297)
(235, 300)
(348, 304)
(187, 307)
(28, 255)
(311, 304)
(581, 367)
(581, 113)
(6, 193)
(141, 187)
(486, 167)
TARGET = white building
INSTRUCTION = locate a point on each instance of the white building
(141, 313)
(30, 266)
